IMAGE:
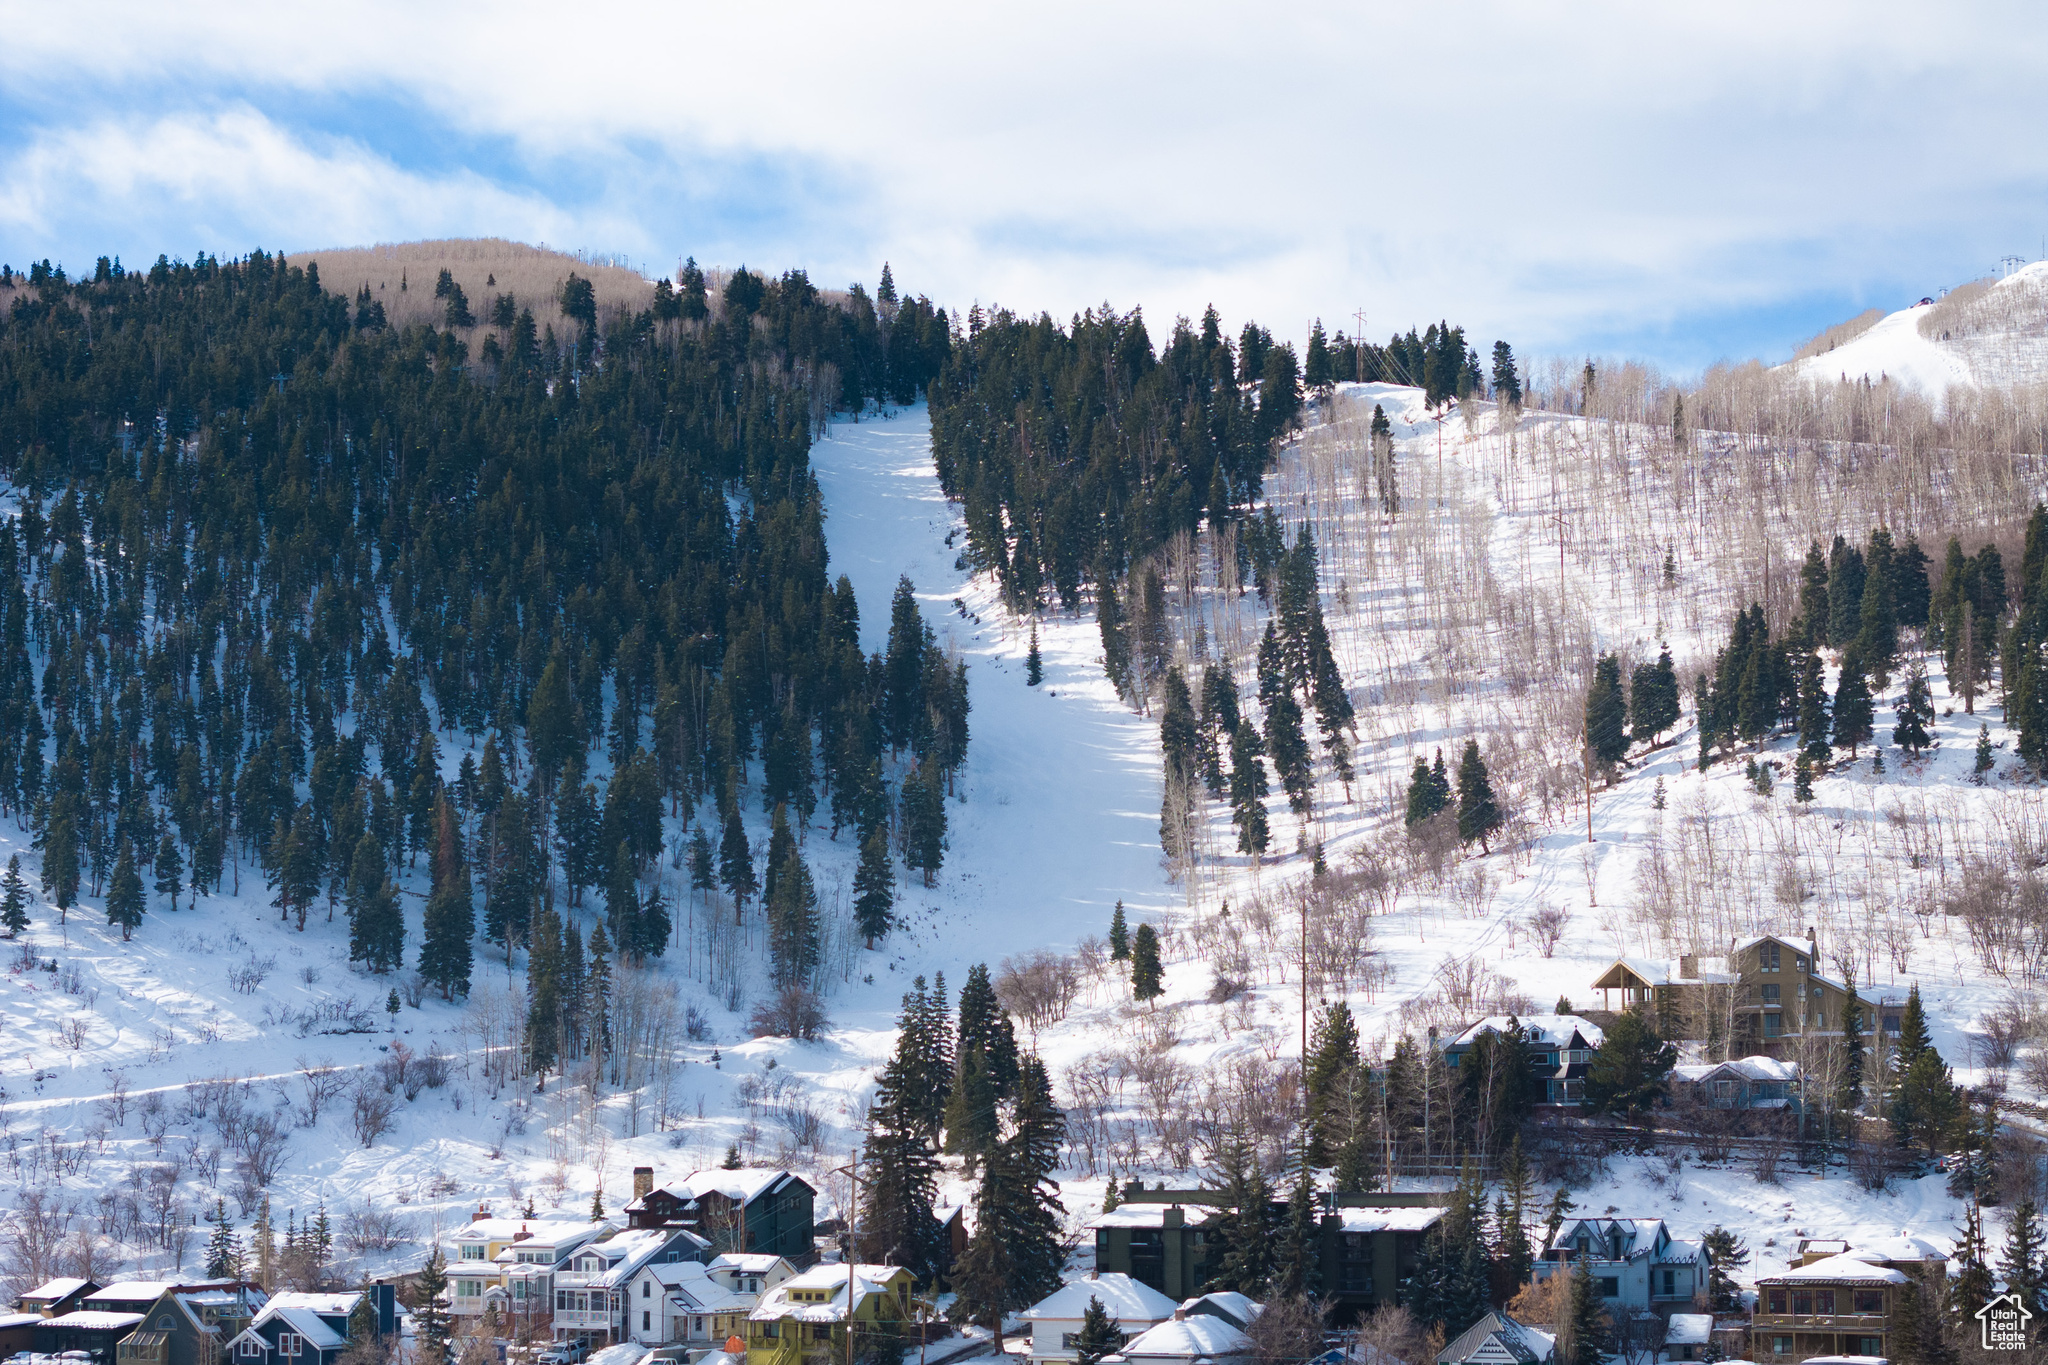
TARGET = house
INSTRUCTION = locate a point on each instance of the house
(1161, 1246)
(1055, 1320)
(1766, 994)
(96, 1332)
(751, 1209)
(1234, 1308)
(314, 1329)
(1636, 1264)
(1369, 1252)
(488, 1248)
(1203, 1339)
(18, 1333)
(1840, 1305)
(592, 1285)
(1498, 1339)
(1903, 1252)
(747, 1272)
(1561, 1048)
(191, 1325)
(53, 1298)
(680, 1303)
(804, 1319)
(1746, 1083)
(1687, 1336)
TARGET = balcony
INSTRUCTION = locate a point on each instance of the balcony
(1866, 1324)
(598, 1320)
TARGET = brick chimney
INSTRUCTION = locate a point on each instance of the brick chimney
(643, 1181)
(1688, 966)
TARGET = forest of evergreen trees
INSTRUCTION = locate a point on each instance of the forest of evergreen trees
(269, 550)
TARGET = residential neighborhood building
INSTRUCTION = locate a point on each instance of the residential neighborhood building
(1369, 1251)
(1234, 1308)
(691, 1304)
(1687, 1336)
(1561, 1048)
(191, 1326)
(1636, 1264)
(487, 1248)
(1764, 996)
(1202, 1339)
(314, 1329)
(1743, 1083)
(1839, 1305)
(1134, 1306)
(96, 1332)
(805, 1318)
(55, 1297)
(592, 1286)
(18, 1333)
(1498, 1339)
(751, 1209)
(1161, 1246)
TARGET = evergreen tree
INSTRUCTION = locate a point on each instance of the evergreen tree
(793, 947)
(1630, 1067)
(170, 871)
(544, 992)
(1973, 1280)
(874, 890)
(1290, 752)
(1098, 1336)
(1248, 790)
(1606, 715)
(924, 823)
(1802, 779)
(1145, 968)
(1034, 663)
(1241, 1236)
(1849, 1087)
(1854, 711)
(1586, 1324)
(223, 1248)
(703, 862)
(431, 1332)
(376, 923)
(1915, 711)
(2020, 1263)
(1845, 594)
(1479, 814)
(1983, 762)
(736, 863)
(1333, 1056)
(1877, 633)
(450, 919)
(897, 1224)
(1653, 698)
(14, 898)
(124, 893)
(1296, 1264)
(1726, 1253)
(1813, 711)
(1119, 934)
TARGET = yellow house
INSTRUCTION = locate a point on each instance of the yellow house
(804, 1319)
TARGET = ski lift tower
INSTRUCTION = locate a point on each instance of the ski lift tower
(2008, 265)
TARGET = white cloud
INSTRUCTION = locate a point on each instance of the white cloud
(1541, 171)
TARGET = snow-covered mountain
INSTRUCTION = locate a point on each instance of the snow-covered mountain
(1986, 334)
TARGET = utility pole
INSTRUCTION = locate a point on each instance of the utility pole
(852, 1173)
(1358, 342)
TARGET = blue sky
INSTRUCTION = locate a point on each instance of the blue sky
(1680, 184)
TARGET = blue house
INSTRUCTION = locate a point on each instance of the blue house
(314, 1329)
(1561, 1048)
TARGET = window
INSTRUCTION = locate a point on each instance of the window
(1802, 1303)
(1777, 1300)
(290, 1343)
(1767, 960)
(820, 1332)
(472, 1252)
(697, 1328)
(1869, 1346)
(1670, 1283)
(250, 1349)
(1724, 1093)
(1609, 1286)
(1824, 1302)
(1781, 1346)
(1870, 1301)
(646, 1289)
(1773, 1025)
(646, 1321)
(1770, 993)
(1891, 1023)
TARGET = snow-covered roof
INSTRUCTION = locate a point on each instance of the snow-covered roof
(746, 1262)
(1376, 1219)
(58, 1288)
(1748, 1068)
(340, 1305)
(19, 1319)
(626, 1252)
(1904, 1247)
(781, 1303)
(1241, 1307)
(1151, 1216)
(528, 1232)
(1639, 1237)
(625, 1353)
(1547, 1030)
(1689, 1329)
(1125, 1300)
(1843, 1268)
(744, 1185)
(691, 1287)
(96, 1320)
(1202, 1337)
(1519, 1340)
(131, 1291)
(307, 1322)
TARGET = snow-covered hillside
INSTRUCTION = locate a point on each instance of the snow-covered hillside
(1983, 335)
(1519, 554)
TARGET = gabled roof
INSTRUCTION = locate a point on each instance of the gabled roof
(745, 1262)
(744, 1185)
(1202, 1337)
(1842, 1268)
(690, 1287)
(866, 1280)
(1544, 1030)
(57, 1289)
(626, 1252)
(1500, 1337)
(305, 1321)
(131, 1291)
(1639, 1237)
(1235, 1308)
(1125, 1300)
(1746, 1068)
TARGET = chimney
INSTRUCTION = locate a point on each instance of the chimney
(643, 1181)
(1688, 966)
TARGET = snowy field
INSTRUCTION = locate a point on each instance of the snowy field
(1518, 556)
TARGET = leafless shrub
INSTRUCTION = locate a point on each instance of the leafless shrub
(366, 1230)
(433, 1069)
(412, 987)
(696, 1024)
(1038, 987)
(370, 1109)
(32, 1236)
(245, 977)
(72, 1034)
(1547, 926)
(395, 1071)
(320, 1083)
(802, 1121)
(264, 1138)
(1392, 1336)
(793, 1013)
(155, 1114)
(1289, 1330)
(1224, 989)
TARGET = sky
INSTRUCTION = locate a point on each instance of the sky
(1675, 183)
